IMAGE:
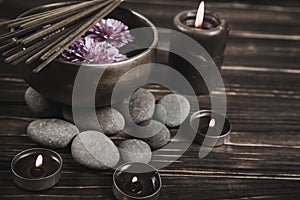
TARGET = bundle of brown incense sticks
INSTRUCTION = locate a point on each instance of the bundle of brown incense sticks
(40, 38)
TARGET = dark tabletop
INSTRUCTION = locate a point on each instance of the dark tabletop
(260, 159)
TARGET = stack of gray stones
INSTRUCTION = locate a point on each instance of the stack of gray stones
(92, 142)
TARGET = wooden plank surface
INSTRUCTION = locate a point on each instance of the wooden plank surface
(261, 158)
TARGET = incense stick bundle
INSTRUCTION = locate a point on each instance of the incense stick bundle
(41, 37)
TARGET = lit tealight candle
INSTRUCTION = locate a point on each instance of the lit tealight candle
(36, 169)
(211, 126)
(136, 181)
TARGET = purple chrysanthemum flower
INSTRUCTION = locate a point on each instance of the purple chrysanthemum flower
(86, 50)
(100, 44)
(76, 52)
(104, 52)
(112, 31)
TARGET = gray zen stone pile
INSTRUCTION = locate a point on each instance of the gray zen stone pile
(92, 147)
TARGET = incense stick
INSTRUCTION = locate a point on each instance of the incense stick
(29, 17)
(73, 37)
(31, 48)
(62, 23)
(8, 46)
(37, 56)
(70, 10)
(33, 42)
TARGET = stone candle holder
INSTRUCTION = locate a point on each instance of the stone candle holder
(212, 36)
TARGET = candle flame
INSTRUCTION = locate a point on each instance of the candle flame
(212, 123)
(200, 16)
(39, 161)
(134, 179)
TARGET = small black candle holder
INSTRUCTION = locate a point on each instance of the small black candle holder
(136, 181)
(217, 136)
(28, 177)
(212, 37)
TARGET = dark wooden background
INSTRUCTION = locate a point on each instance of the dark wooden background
(261, 159)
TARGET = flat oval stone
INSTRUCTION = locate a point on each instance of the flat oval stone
(141, 105)
(40, 106)
(135, 151)
(177, 108)
(160, 135)
(54, 133)
(95, 150)
(160, 114)
(110, 120)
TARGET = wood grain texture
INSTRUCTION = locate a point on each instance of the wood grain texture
(260, 159)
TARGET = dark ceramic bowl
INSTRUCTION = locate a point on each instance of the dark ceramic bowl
(56, 81)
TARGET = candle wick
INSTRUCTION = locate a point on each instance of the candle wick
(212, 123)
(200, 16)
(134, 179)
(39, 161)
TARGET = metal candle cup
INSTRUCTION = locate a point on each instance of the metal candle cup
(30, 177)
(136, 181)
(212, 37)
(204, 118)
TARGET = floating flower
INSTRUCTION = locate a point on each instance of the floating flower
(77, 51)
(112, 31)
(103, 52)
(88, 51)
(100, 44)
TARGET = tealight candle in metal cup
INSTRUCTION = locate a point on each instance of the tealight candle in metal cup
(36, 169)
(136, 181)
(218, 126)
